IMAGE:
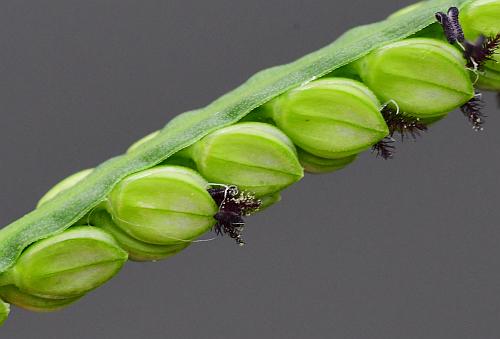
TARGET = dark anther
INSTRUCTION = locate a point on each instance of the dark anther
(472, 110)
(451, 25)
(478, 52)
(403, 124)
(220, 193)
(231, 224)
(398, 123)
(233, 206)
(385, 148)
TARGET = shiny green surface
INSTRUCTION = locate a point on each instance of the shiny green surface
(165, 205)
(331, 118)
(31, 302)
(137, 250)
(254, 156)
(67, 265)
(71, 205)
(427, 78)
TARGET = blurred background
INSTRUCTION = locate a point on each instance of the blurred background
(406, 248)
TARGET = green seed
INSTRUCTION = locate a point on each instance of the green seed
(4, 312)
(490, 80)
(493, 65)
(254, 156)
(425, 77)
(181, 158)
(317, 165)
(67, 265)
(489, 77)
(330, 118)
(165, 205)
(64, 185)
(137, 250)
(30, 302)
(481, 17)
(179, 135)
(188, 128)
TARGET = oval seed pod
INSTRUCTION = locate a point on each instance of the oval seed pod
(427, 78)
(4, 312)
(330, 118)
(489, 80)
(64, 185)
(164, 205)
(482, 17)
(15, 296)
(137, 250)
(67, 265)
(254, 156)
(317, 165)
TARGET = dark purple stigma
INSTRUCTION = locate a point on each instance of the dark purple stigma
(403, 124)
(385, 148)
(472, 111)
(451, 25)
(222, 192)
(479, 52)
(233, 205)
(231, 224)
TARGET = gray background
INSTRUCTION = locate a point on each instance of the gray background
(384, 249)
